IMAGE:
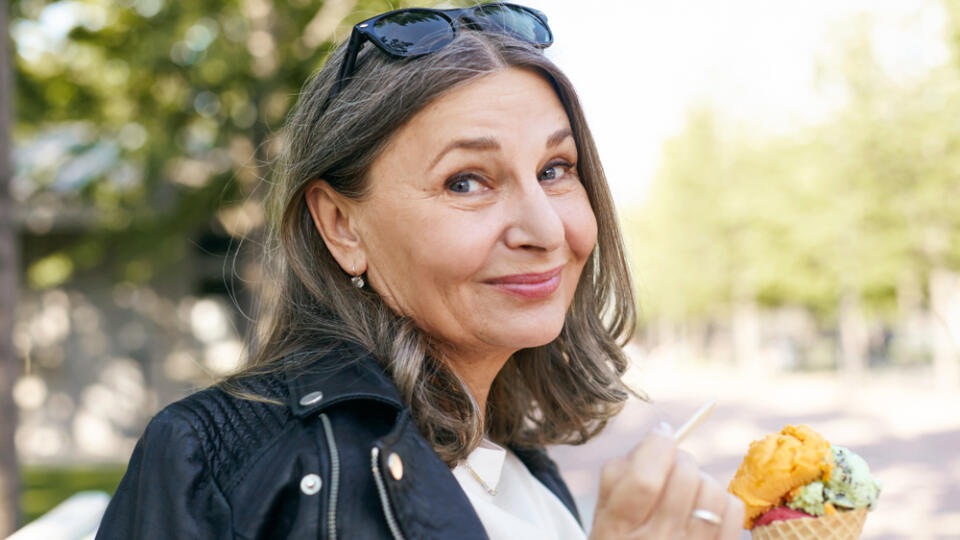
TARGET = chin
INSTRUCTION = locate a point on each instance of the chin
(535, 336)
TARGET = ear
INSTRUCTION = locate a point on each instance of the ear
(335, 218)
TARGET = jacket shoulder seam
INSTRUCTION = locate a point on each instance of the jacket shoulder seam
(173, 413)
(247, 465)
(192, 420)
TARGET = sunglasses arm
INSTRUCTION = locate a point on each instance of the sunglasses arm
(348, 64)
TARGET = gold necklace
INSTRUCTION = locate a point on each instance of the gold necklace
(477, 476)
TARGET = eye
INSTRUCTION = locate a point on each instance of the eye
(555, 170)
(464, 184)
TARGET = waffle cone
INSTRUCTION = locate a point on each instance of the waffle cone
(839, 526)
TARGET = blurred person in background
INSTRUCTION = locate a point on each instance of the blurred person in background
(450, 294)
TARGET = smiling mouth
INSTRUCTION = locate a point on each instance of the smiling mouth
(534, 285)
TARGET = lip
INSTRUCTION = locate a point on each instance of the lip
(531, 285)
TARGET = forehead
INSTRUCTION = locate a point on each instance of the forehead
(511, 103)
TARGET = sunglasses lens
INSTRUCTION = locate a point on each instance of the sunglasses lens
(412, 32)
(514, 20)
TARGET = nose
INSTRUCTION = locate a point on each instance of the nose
(534, 220)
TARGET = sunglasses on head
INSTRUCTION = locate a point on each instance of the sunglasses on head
(406, 33)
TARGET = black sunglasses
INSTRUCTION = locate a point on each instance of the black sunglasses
(406, 33)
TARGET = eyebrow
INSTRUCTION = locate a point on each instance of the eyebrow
(489, 143)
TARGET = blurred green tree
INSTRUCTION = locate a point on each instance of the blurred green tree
(837, 217)
(169, 112)
(9, 477)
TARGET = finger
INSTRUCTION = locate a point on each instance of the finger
(686, 459)
(636, 493)
(733, 517)
(672, 513)
(610, 475)
(712, 498)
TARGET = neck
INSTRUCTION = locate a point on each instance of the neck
(478, 371)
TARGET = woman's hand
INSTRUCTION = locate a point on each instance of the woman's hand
(652, 492)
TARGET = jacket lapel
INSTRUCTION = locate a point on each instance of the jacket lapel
(416, 480)
(348, 372)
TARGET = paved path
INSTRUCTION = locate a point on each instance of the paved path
(906, 429)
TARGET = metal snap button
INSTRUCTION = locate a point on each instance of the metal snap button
(311, 398)
(395, 466)
(310, 484)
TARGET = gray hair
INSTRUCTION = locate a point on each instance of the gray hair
(562, 392)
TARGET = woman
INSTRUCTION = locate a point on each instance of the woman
(450, 295)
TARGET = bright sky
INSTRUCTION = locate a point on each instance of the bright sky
(639, 64)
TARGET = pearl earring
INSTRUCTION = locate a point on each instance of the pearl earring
(357, 281)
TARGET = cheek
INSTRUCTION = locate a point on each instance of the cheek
(581, 227)
(453, 252)
(428, 252)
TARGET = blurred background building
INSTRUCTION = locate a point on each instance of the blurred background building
(788, 178)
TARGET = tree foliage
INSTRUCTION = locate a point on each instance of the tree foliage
(141, 122)
(855, 205)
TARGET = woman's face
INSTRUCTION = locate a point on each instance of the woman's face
(477, 225)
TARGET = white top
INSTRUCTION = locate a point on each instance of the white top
(522, 507)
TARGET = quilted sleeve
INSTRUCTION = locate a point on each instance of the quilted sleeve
(167, 491)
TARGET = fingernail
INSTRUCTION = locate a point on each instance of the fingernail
(663, 428)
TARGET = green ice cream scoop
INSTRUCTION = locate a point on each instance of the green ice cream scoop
(850, 485)
(809, 499)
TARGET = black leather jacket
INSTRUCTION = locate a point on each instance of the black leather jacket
(342, 459)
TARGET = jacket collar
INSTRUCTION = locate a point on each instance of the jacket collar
(342, 373)
(347, 372)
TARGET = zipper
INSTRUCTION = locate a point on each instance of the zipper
(382, 490)
(334, 478)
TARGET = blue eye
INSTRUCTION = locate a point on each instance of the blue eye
(555, 170)
(463, 184)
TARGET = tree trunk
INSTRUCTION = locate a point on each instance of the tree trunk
(747, 339)
(945, 308)
(9, 475)
(854, 339)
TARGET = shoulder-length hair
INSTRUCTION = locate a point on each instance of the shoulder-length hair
(562, 392)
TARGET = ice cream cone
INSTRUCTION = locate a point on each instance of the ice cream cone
(839, 526)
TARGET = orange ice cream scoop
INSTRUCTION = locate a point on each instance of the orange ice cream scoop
(777, 464)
